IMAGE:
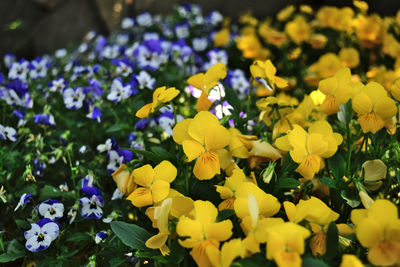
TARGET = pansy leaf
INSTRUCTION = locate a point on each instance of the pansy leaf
(232, 98)
(14, 251)
(329, 182)
(287, 183)
(312, 262)
(332, 241)
(337, 165)
(131, 235)
(351, 198)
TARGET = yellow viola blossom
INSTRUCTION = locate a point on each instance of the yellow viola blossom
(349, 260)
(374, 108)
(369, 29)
(161, 96)
(285, 243)
(298, 29)
(230, 250)
(264, 73)
(327, 65)
(337, 90)
(395, 90)
(201, 137)
(349, 57)
(251, 46)
(319, 215)
(228, 191)
(205, 82)
(155, 183)
(161, 214)
(202, 231)
(222, 37)
(271, 35)
(309, 149)
(285, 13)
(318, 41)
(124, 180)
(377, 229)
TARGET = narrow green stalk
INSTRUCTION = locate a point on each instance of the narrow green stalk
(349, 147)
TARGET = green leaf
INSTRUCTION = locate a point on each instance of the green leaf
(332, 241)
(312, 262)
(287, 183)
(23, 224)
(78, 237)
(177, 253)
(130, 234)
(49, 191)
(351, 198)
(255, 261)
(225, 214)
(337, 166)
(14, 251)
(147, 154)
(232, 98)
(328, 182)
(162, 152)
(118, 127)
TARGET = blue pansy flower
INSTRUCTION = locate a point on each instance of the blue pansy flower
(7, 132)
(23, 200)
(45, 119)
(100, 237)
(93, 202)
(51, 209)
(40, 236)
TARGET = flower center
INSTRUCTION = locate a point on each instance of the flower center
(40, 237)
(52, 211)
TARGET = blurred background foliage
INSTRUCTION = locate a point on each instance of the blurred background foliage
(30, 28)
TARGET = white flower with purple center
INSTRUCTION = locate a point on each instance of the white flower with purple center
(223, 110)
(145, 80)
(38, 68)
(7, 132)
(23, 200)
(19, 70)
(123, 69)
(110, 51)
(199, 44)
(215, 56)
(182, 30)
(92, 204)
(73, 98)
(119, 91)
(127, 23)
(114, 161)
(100, 237)
(40, 236)
(144, 19)
(238, 81)
(51, 209)
(57, 85)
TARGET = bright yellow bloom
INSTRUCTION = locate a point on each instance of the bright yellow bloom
(327, 65)
(378, 229)
(338, 90)
(335, 18)
(285, 13)
(391, 46)
(228, 191)
(349, 57)
(229, 252)
(349, 260)
(202, 231)
(264, 72)
(271, 35)
(201, 137)
(395, 89)
(161, 96)
(124, 180)
(205, 82)
(308, 149)
(374, 171)
(161, 214)
(318, 41)
(369, 29)
(298, 29)
(251, 47)
(373, 107)
(285, 243)
(155, 183)
(222, 37)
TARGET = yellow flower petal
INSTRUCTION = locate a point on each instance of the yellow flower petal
(144, 111)
(349, 260)
(144, 175)
(181, 206)
(206, 212)
(309, 166)
(328, 86)
(168, 95)
(203, 103)
(165, 171)
(224, 192)
(265, 150)
(192, 149)
(199, 125)
(385, 108)
(220, 231)
(374, 170)
(197, 81)
(157, 241)
(189, 228)
(207, 166)
(180, 131)
(316, 145)
(370, 123)
(357, 215)
(216, 137)
(362, 104)
(141, 197)
(287, 259)
(231, 250)
(369, 232)
(213, 74)
(160, 190)
(384, 254)
(383, 211)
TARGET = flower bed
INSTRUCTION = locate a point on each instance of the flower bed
(192, 139)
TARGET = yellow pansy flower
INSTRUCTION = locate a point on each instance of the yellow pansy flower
(373, 107)
(201, 137)
(202, 231)
(337, 90)
(285, 13)
(205, 82)
(308, 149)
(230, 250)
(349, 57)
(377, 229)
(395, 90)
(228, 191)
(298, 29)
(285, 243)
(161, 96)
(222, 37)
(124, 180)
(264, 72)
(349, 260)
(327, 65)
(369, 29)
(155, 183)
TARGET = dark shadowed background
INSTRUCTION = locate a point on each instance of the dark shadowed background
(33, 27)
